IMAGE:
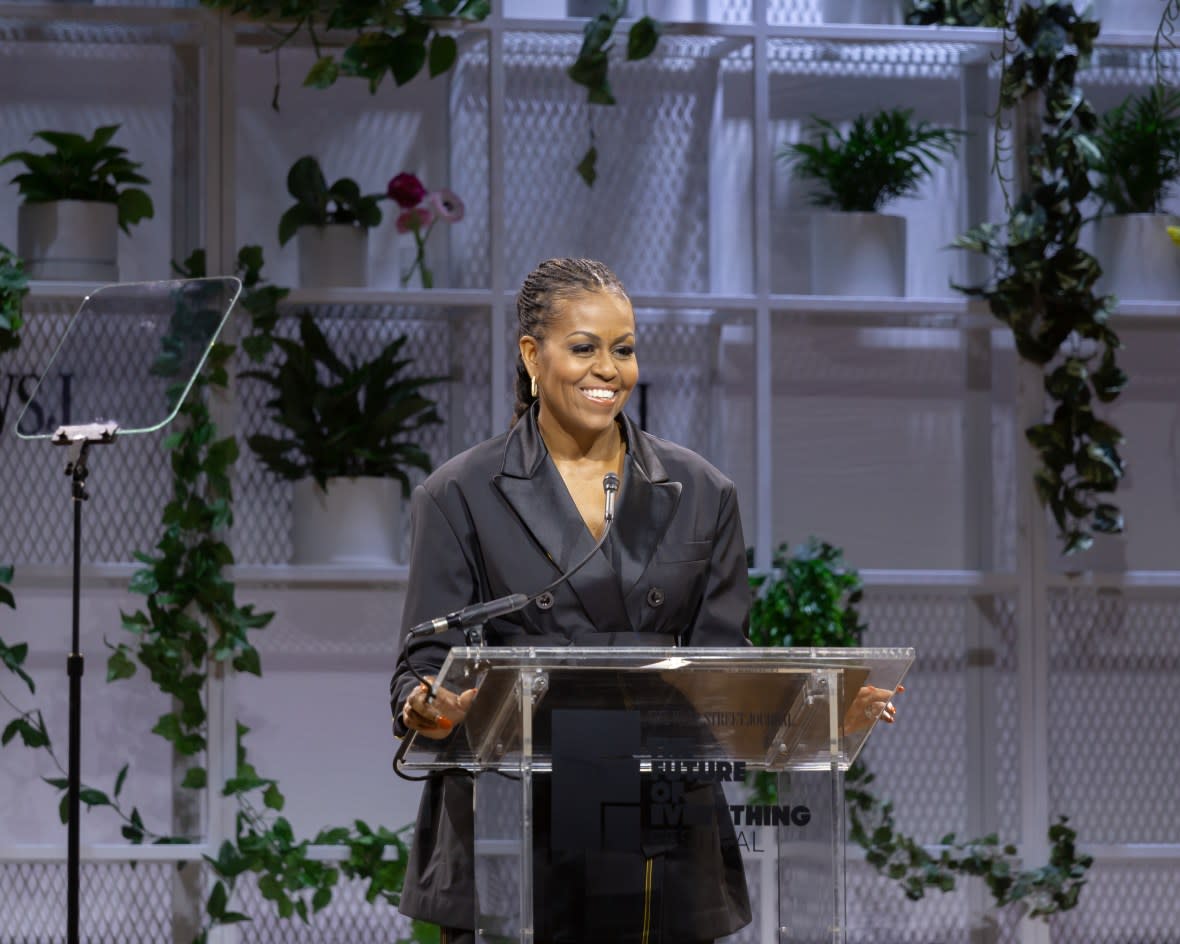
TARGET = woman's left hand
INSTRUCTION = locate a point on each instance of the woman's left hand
(871, 704)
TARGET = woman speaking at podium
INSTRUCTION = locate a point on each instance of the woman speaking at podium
(512, 514)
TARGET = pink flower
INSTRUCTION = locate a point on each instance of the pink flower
(446, 205)
(406, 189)
(414, 220)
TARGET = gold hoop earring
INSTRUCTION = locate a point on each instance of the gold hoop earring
(533, 385)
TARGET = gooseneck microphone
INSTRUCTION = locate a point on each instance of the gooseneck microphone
(478, 613)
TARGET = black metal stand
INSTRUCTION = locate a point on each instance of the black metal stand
(79, 439)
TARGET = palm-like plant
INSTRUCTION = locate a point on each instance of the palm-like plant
(1139, 141)
(881, 157)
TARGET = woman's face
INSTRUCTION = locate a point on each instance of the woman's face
(585, 366)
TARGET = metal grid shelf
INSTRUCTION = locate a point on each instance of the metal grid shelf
(83, 25)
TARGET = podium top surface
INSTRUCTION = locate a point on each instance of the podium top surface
(772, 708)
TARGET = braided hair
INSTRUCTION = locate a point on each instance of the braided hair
(553, 281)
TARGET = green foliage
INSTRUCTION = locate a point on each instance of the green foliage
(317, 204)
(343, 418)
(397, 38)
(81, 168)
(14, 286)
(881, 157)
(808, 600)
(957, 13)
(1139, 146)
(1041, 892)
(592, 67)
(1043, 284)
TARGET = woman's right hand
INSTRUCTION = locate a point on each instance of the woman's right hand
(436, 717)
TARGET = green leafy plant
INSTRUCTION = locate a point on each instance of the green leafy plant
(810, 598)
(317, 204)
(592, 67)
(881, 157)
(343, 417)
(957, 13)
(14, 286)
(1139, 147)
(81, 168)
(1043, 283)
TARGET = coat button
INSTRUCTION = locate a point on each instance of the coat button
(545, 601)
(655, 597)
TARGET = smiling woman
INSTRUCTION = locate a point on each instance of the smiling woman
(508, 517)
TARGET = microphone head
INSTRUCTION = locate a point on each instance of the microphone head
(610, 482)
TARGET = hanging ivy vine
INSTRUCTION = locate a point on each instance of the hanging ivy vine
(1042, 284)
(189, 622)
(811, 598)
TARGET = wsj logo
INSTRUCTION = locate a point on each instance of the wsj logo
(16, 393)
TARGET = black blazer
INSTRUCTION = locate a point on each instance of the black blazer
(497, 519)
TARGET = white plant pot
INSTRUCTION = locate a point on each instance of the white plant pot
(333, 256)
(1138, 258)
(355, 522)
(861, 11)
(858, 254)
(72, 240)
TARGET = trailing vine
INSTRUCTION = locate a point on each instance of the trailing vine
(14, 286)
(592, 67)
(395, 38)
(1043, 283)
(809, 599)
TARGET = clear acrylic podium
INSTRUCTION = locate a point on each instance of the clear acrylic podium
(607, 785)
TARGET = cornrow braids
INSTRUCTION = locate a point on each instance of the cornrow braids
(553, 281)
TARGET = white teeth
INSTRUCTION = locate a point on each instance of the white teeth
(600, 394)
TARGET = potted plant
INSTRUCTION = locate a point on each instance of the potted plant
(333, 224)
(14, 286)
(1139, 162)
(74, 197)
(991, 13)
(881, 157)
(345, 442)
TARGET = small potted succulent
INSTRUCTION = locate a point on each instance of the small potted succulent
(346, 441)
(857, 172)
(332, 223)
(75, 197)
(1136, 172)
(14, 286)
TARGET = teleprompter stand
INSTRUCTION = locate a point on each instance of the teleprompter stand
(607, 780)
(158, 336)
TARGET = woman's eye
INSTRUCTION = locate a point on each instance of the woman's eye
(583, 349)
(624, 350)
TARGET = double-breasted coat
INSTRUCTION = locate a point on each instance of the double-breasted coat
(498, 519)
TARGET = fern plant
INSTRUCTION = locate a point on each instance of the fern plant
(881, 157)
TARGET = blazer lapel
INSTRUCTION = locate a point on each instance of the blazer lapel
(647, 506)
(533, 488)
